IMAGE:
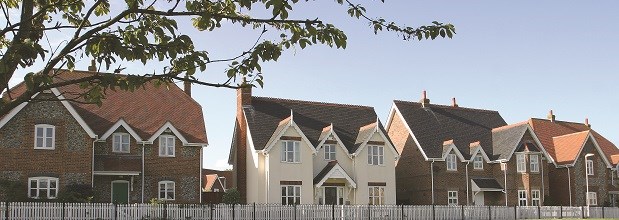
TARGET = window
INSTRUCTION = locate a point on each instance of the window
(121, 143)
(535, 198)
(451, 162)
(44, 136)
(166, 190)
(329, 152)
(452, 197)
(166, 146)
(478, 162)
(291, 195)
(43, 187)
(291, 152)
(377, 195)
(521, 166)
(534, 162)
(592, 198)
(589, 167)
(375, 155)
(522, 198)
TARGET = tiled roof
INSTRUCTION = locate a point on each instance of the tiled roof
(325, 171)
(146, 109)
(487, 183)
(567, 146)
(546, 130)
(434, 124)
(209, 181)
(506, 138)
(266, 115)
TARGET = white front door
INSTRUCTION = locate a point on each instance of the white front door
(479, 198)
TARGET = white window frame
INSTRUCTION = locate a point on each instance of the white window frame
(478, 162)
(536, 199)
(48, 188)
(330, 152)
(522, 197)
(291, 152)
(44, 136)
(521, 163)
(166, 187)
(118, 143)
(376, 195)
(592, 198)
(452, 197)
(451, 162)
(376, 155)
(589, 167)
(291, 192)
(164, 148)
(534, 163)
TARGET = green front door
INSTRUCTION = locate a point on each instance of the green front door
(120, 191)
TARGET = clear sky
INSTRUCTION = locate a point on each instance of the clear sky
(521, 58)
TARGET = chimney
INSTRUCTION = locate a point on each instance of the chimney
(243, 98)
(424, 99)
(187, 86)
(243, 95)
(587, 123)
(551, 116)
(454, 103)
(93, 66)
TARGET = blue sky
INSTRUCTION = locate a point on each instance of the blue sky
(521, 58)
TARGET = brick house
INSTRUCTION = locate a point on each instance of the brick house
(581, 155)
(450, 155)
(302, 152)
(135, 147)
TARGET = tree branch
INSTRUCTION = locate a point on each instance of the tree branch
(237, 18)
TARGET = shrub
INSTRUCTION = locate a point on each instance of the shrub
(231, 196)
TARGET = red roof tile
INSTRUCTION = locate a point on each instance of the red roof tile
(568, 146)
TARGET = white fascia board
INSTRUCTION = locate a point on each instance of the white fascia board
(169, 125)
(115, 127)
(293, 125)
(337, 138)
(452, 147)
(74, 113)
(539, 143)
(479, 149)
(337, 167)
(12, 114)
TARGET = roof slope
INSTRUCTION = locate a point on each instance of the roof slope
(434, 124)
(546, 130)
(506, 138)
(568, 146)
(265, 114)
(146, 109)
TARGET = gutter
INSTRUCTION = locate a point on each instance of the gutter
(143, 154)
(432, 175)
(467, 182)
(92, 166)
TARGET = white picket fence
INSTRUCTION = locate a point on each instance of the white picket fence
(70, 211)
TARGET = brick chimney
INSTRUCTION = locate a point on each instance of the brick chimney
(243, 100)
(587, 123)
(454, 103)
(187, 86)
(93, 66)
(551, 116)
(424, 99)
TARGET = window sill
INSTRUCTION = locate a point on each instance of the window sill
(44, 148)
(290, 162)
(167, 156)
(121, 152)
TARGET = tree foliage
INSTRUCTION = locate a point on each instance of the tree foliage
(231, 196)
(141, 31)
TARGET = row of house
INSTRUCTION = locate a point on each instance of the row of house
(147, 144)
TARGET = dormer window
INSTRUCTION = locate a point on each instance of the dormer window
(166, 145)
(521, 163)
(478, 162)
(451, 162)
(120, 143)
(44, 136)
(329, 152)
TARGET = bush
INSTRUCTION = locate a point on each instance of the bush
(78, 193)
(231, 196)
(13, 191)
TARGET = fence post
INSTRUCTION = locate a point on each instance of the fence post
(369, 213)
(462, 211)
(582, 212)
(433, 212)
(560, 212)
(515, 212)
(603, 215)
(402, 211)
(332, 211)
(489, 212)
(63, 212)
(165, 210)
(295, 211)
(539, 212)
(254, 211)
(212, 210)
(6, 213)
(115, 211)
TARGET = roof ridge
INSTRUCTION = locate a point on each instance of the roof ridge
(575, 133)
(558, 121)
(313, 102)
(504, 127)
(450, 107)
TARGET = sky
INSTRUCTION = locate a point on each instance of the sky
(520, 58)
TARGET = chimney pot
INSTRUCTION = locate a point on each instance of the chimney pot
(93, 66)
(551, 116)
(243, 94)
(424, 99)
(587, 123)
(453, 102)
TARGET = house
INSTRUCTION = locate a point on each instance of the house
(583, 158)
(303, 152)
(451, 155)
(135, 147)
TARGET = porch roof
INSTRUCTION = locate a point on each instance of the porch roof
(335, 171)
(486, 185)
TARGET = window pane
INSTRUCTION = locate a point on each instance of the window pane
(39, 132)
(52, 183)
(52, 193)
(43, 193)
(43, 184)
(297, 191)
(48, 142)
(171, 150)
(49, 132)
(39, 142)
(297, 153)
(33, 184)
(125, 138)
(33, 193)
